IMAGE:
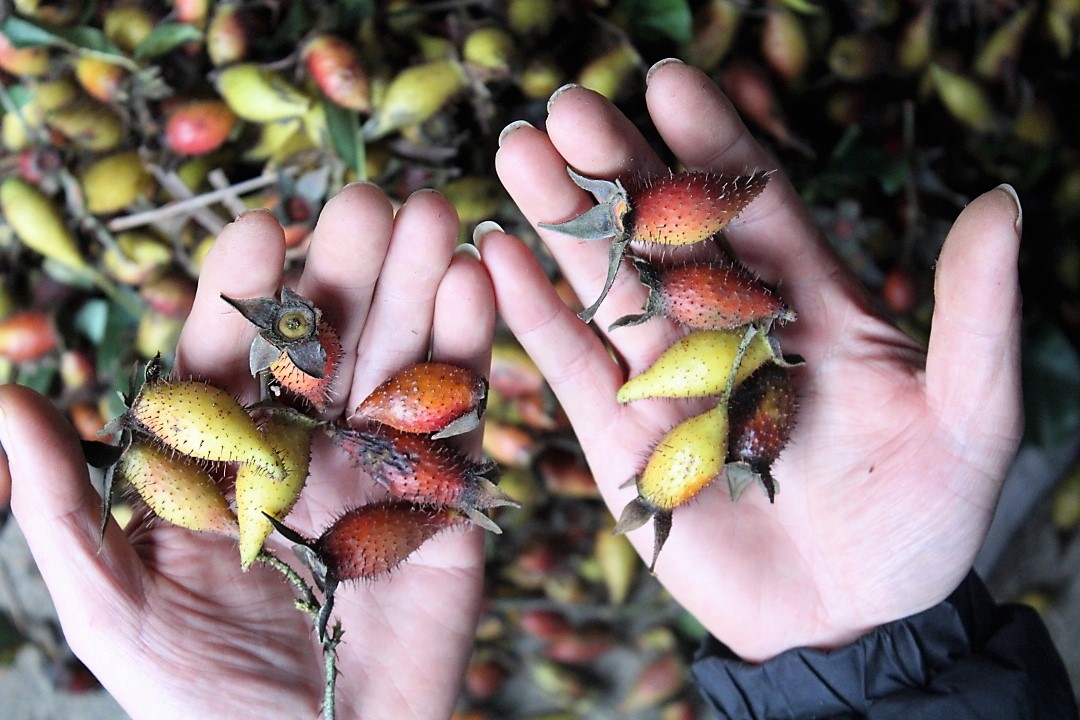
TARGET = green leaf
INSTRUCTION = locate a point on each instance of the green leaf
(23, 33)
(91, 320)
(38, 377)
(658, 19)
(10, 640)
(1051, 377)
(344, 128)
(165, 38)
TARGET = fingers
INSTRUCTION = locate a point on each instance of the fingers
(571, 357)
(773, 235)
(398, 327)
(246, 261)
(347, 252)
(464, 320)
(59, 512)
(973, 361)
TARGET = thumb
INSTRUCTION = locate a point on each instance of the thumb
(973, 358)
(58, 510)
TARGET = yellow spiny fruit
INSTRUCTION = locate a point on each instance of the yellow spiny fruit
(202, 421)
(289, 433)
(177, 488)
(685, 461)
(699, 365)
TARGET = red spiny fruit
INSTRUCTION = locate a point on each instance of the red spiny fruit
(707, 296)
(422, 470)
(315, 389)
(761, 416)
(675, 209)
(428, 397)
(297, 345)
(688, 207)
(372, 540)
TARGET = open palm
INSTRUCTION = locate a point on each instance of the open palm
(894, 468)
(164, 617)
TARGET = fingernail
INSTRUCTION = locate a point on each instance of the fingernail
(555, 95)
(659, 64)
(1011, 192)
(252, 211)
(511, 127)
(482, 229)
(468, 249)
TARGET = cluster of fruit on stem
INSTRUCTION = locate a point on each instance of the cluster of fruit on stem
(180, 436)
(728, 352)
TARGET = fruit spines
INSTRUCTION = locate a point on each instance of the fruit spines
(689, 458)
(177, 488)
(425, 471)
(762, 416)
(701, 364)
(706, 296)
(202, 421)
(371, 540)
(289, 433)
(435, 398)
(688, 207)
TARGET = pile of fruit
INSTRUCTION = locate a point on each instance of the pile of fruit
(133, 132)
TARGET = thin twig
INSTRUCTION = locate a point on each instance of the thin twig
(173, 185)
(220, 181)
(183, 206)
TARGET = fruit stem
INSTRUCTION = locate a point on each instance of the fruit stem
(307, 602)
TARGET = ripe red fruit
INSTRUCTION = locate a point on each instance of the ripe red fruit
(335, 66)
(27, 335)
(372, 540)
(762, 416)
(427, 397)
(706, 296)
(675, 209)
(422, 470)
(199, 127)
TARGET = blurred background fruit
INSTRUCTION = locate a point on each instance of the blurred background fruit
(133, 132)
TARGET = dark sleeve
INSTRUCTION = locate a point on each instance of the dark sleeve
(964, 658)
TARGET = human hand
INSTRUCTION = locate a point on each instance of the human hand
(164, 617)
(891, 477)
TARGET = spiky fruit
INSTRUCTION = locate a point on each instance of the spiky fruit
(675, 209)
(703, 363)
(289, 433)
(762, 415)
(199, 127)
(428, 397)
(335, 66)
(685, 461)
(422, 470)
(177, 488)
(373, 539)
(706, 296)
(199, 420)
(297, 345)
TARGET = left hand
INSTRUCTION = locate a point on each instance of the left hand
(164, 617)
